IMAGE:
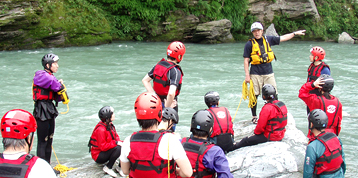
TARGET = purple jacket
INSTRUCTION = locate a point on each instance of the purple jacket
(46, 80)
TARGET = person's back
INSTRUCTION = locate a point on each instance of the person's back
(17, 129)
(206, 159)
(148, 153)
(324, 154)
(223, 133)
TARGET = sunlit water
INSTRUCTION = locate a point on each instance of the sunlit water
(111, 75)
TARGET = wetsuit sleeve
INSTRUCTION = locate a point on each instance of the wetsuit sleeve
(104, 139)
(343, 165)
(325, 70)
(215, 160)
(150, 73)
(174, 76)
(273, 40)
(247, 49)
(314, 150)
(265, 115)
(309, 99)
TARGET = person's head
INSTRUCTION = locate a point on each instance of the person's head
(106, 114)
(50, 62)
(317, 119)
(202, 123)
(169, 118)
(176, 51)
(328, 83)
(212, 98)
(17, 129)
(317, 54)
(148, 110)
(257, 29)
(268, 92)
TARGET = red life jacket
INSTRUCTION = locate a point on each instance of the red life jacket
(315, 71)
(331, 160)
(144, 157)
(195, 152)
(222, 121)
(19, 168)
(161, 82)
(276, 126)
(39, 93)
(93, 145)
(331, 108)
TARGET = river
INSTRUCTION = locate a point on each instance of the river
(111, 74)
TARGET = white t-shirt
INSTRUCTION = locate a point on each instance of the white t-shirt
(41, 168)
(176, 150)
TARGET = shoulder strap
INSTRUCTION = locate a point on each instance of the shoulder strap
(216, 118)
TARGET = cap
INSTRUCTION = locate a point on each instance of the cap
(256, 25)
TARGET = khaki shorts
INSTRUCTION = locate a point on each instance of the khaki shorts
(260, 80)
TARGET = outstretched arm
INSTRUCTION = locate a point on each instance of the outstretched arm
(291, 35)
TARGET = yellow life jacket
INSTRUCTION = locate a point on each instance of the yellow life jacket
(256, 57)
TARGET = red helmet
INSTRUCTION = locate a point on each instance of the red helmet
(18, 124)
(318, 51)
(148, 106)
(175, 49)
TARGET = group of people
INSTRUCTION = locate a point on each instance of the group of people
(155, 150)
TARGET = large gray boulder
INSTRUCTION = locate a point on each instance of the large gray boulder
(213, 32)
(266, 10)
(271, 159)
(345, 38)
(271, 31)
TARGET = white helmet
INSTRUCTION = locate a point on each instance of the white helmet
(256, 25)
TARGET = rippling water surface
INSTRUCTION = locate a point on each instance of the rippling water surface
(111, 75)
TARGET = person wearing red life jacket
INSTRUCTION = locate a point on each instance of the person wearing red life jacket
(324, 154)
(17, 130)
(167, 76)
(323, 100)
(148, 152)
(105, 144)
(45, 88)
(206, 158)
(272, 121)
(223, 133)
(317, 66)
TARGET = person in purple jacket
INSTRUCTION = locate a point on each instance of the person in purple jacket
(45, 87)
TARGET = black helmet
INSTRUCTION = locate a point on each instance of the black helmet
(105, 113)
(169, 113)
(211, 98)
(49, 59)
(268, 92)
(318, 118)
(328, 83)
(202, 120)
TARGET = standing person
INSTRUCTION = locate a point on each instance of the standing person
(206, 158)
(105, 144)
(272, 122)
(167, 76)
(324, 154)
(323, 100)
(45, 88)
(317, 67)
(223, 133)
(148, 152)
(17, 130)
(259, 54)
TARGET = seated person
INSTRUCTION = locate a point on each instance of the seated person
(223, 133)
(272, 120)
(104, 143)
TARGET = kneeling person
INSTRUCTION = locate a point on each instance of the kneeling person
(272, 122)
(206, 158)
(324, 154)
